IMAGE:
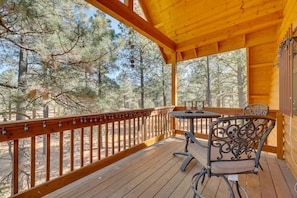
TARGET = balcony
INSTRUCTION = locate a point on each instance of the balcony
(48, 154)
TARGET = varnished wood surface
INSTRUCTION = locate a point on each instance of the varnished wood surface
(154, 172)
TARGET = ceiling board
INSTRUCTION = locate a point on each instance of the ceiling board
(244, 28)
(211, 23)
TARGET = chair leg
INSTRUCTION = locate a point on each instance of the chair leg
(186, 162)
(238, 188)
(195, 182)
(229, 186)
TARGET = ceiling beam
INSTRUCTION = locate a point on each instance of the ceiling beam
(129, 4)
(121, 12)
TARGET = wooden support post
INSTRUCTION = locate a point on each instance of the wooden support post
(174, 87)
(280, 142)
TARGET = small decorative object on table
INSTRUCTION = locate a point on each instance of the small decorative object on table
(199, 106)
(189, 106)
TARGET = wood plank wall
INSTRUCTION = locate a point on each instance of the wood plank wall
(260, 68)
(290, 142)
(290, 123)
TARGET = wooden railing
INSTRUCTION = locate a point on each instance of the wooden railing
(40, 156)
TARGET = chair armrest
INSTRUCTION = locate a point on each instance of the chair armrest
(190, 136)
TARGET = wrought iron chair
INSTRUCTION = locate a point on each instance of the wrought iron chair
(256, 109)
(232, 148)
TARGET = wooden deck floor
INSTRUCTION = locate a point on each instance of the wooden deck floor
(154, 172)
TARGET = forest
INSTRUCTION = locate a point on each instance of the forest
(63, 58)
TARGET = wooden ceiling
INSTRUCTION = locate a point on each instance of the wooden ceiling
(186, 29)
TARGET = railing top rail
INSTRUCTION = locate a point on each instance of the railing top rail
(29, 128)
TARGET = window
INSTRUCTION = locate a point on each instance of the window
(219, 80)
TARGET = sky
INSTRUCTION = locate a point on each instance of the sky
(114, 22)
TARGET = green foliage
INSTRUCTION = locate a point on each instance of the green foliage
(227, 76)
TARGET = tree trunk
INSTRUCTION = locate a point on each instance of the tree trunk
(45, 115)
(240, 87)
(141, 81)
(22, 84)
(163, 87)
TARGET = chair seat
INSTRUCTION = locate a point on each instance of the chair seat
(220, 167)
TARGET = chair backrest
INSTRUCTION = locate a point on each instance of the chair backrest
(256, 109)
(238, 138)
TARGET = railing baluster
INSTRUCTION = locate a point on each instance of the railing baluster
(15, 166)
(143, 129)
(156, 125)
(81, 147)
(129, 134)
(147, 126)
(201, 125)
(61, 153)
(48, 156)
(106, 140)
(91, 144)
(138, 131)
(134, 131)
(33, 161)
(162, 122)
(125, 133)
(99, 139)
(119, 136)
(72, 150)
(112, 138)
(152, 126)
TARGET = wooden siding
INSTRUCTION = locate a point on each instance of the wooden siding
(290, 129)
(260, 68)
(274, 91)
(154, 172)
(290, 145)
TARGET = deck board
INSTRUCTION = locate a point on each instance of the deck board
(266, 179)
(280, 184)
(154, 172)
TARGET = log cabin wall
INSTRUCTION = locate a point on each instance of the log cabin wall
(261, 66)
(290, 142)
(290, 122)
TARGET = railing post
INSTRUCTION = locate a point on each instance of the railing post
(173, 124)
(280, 143)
